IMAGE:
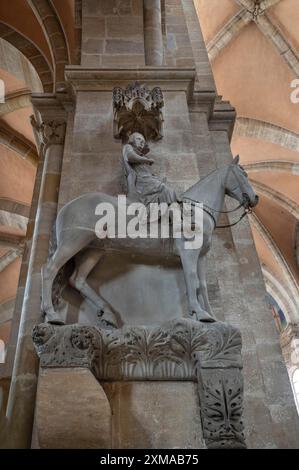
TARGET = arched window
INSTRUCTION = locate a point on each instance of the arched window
(2, 351)
(278, 314)
(296, 387)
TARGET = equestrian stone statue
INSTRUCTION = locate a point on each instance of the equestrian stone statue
(75, 233)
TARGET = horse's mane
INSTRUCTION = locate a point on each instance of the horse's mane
(202, 181)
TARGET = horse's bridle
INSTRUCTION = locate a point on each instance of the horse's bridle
(210, 211)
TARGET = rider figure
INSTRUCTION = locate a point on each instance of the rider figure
(142, 184)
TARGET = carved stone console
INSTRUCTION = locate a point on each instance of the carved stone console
(220, 387)
(184, 350)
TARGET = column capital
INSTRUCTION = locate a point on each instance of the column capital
(289, 341)
(290, 333)
(49, 132)
(223, 117)
(51, 106)
(52, 132)
(49, 122)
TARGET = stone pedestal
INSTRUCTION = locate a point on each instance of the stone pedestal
(177, 385)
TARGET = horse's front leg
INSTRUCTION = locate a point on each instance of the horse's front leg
(203, 288)
(189, 259)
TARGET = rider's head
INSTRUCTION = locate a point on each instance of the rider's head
(137, 140)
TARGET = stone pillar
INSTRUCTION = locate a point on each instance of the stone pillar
(11, 350)
(269, 402)
(6, 369)
(21, 403)
(72, 410)
(153, 40)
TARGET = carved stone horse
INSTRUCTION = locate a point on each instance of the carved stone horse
(75, 235)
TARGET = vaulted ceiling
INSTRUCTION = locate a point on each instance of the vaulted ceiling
(254, 51)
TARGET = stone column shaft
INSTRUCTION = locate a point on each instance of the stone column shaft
(24, 268)
(21, 403)
(243, 295)
(153, 39)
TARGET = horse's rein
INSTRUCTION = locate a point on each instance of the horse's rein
(210, 211)
(246, 212)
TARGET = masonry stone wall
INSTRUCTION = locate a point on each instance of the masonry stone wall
(195, 142)
(196, 131)
(112, 33)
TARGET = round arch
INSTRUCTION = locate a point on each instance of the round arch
(32, 53)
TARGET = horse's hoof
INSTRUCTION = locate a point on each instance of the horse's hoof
(56, 322)
(53, 320)
(207, 320)
(203, 317)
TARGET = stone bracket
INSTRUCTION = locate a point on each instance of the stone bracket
(220, 391)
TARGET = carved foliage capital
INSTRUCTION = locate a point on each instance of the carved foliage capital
(51, 131)
(289, 340)
(169, 351)
(72, 346)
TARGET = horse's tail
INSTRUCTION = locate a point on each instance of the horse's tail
(53, 241)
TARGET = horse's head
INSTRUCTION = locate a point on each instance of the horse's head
(238, 187)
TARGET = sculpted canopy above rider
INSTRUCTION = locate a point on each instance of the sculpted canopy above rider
(142, 184)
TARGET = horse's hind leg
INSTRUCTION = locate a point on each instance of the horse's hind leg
(67, 247)
(85, 262)
(48, 274)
